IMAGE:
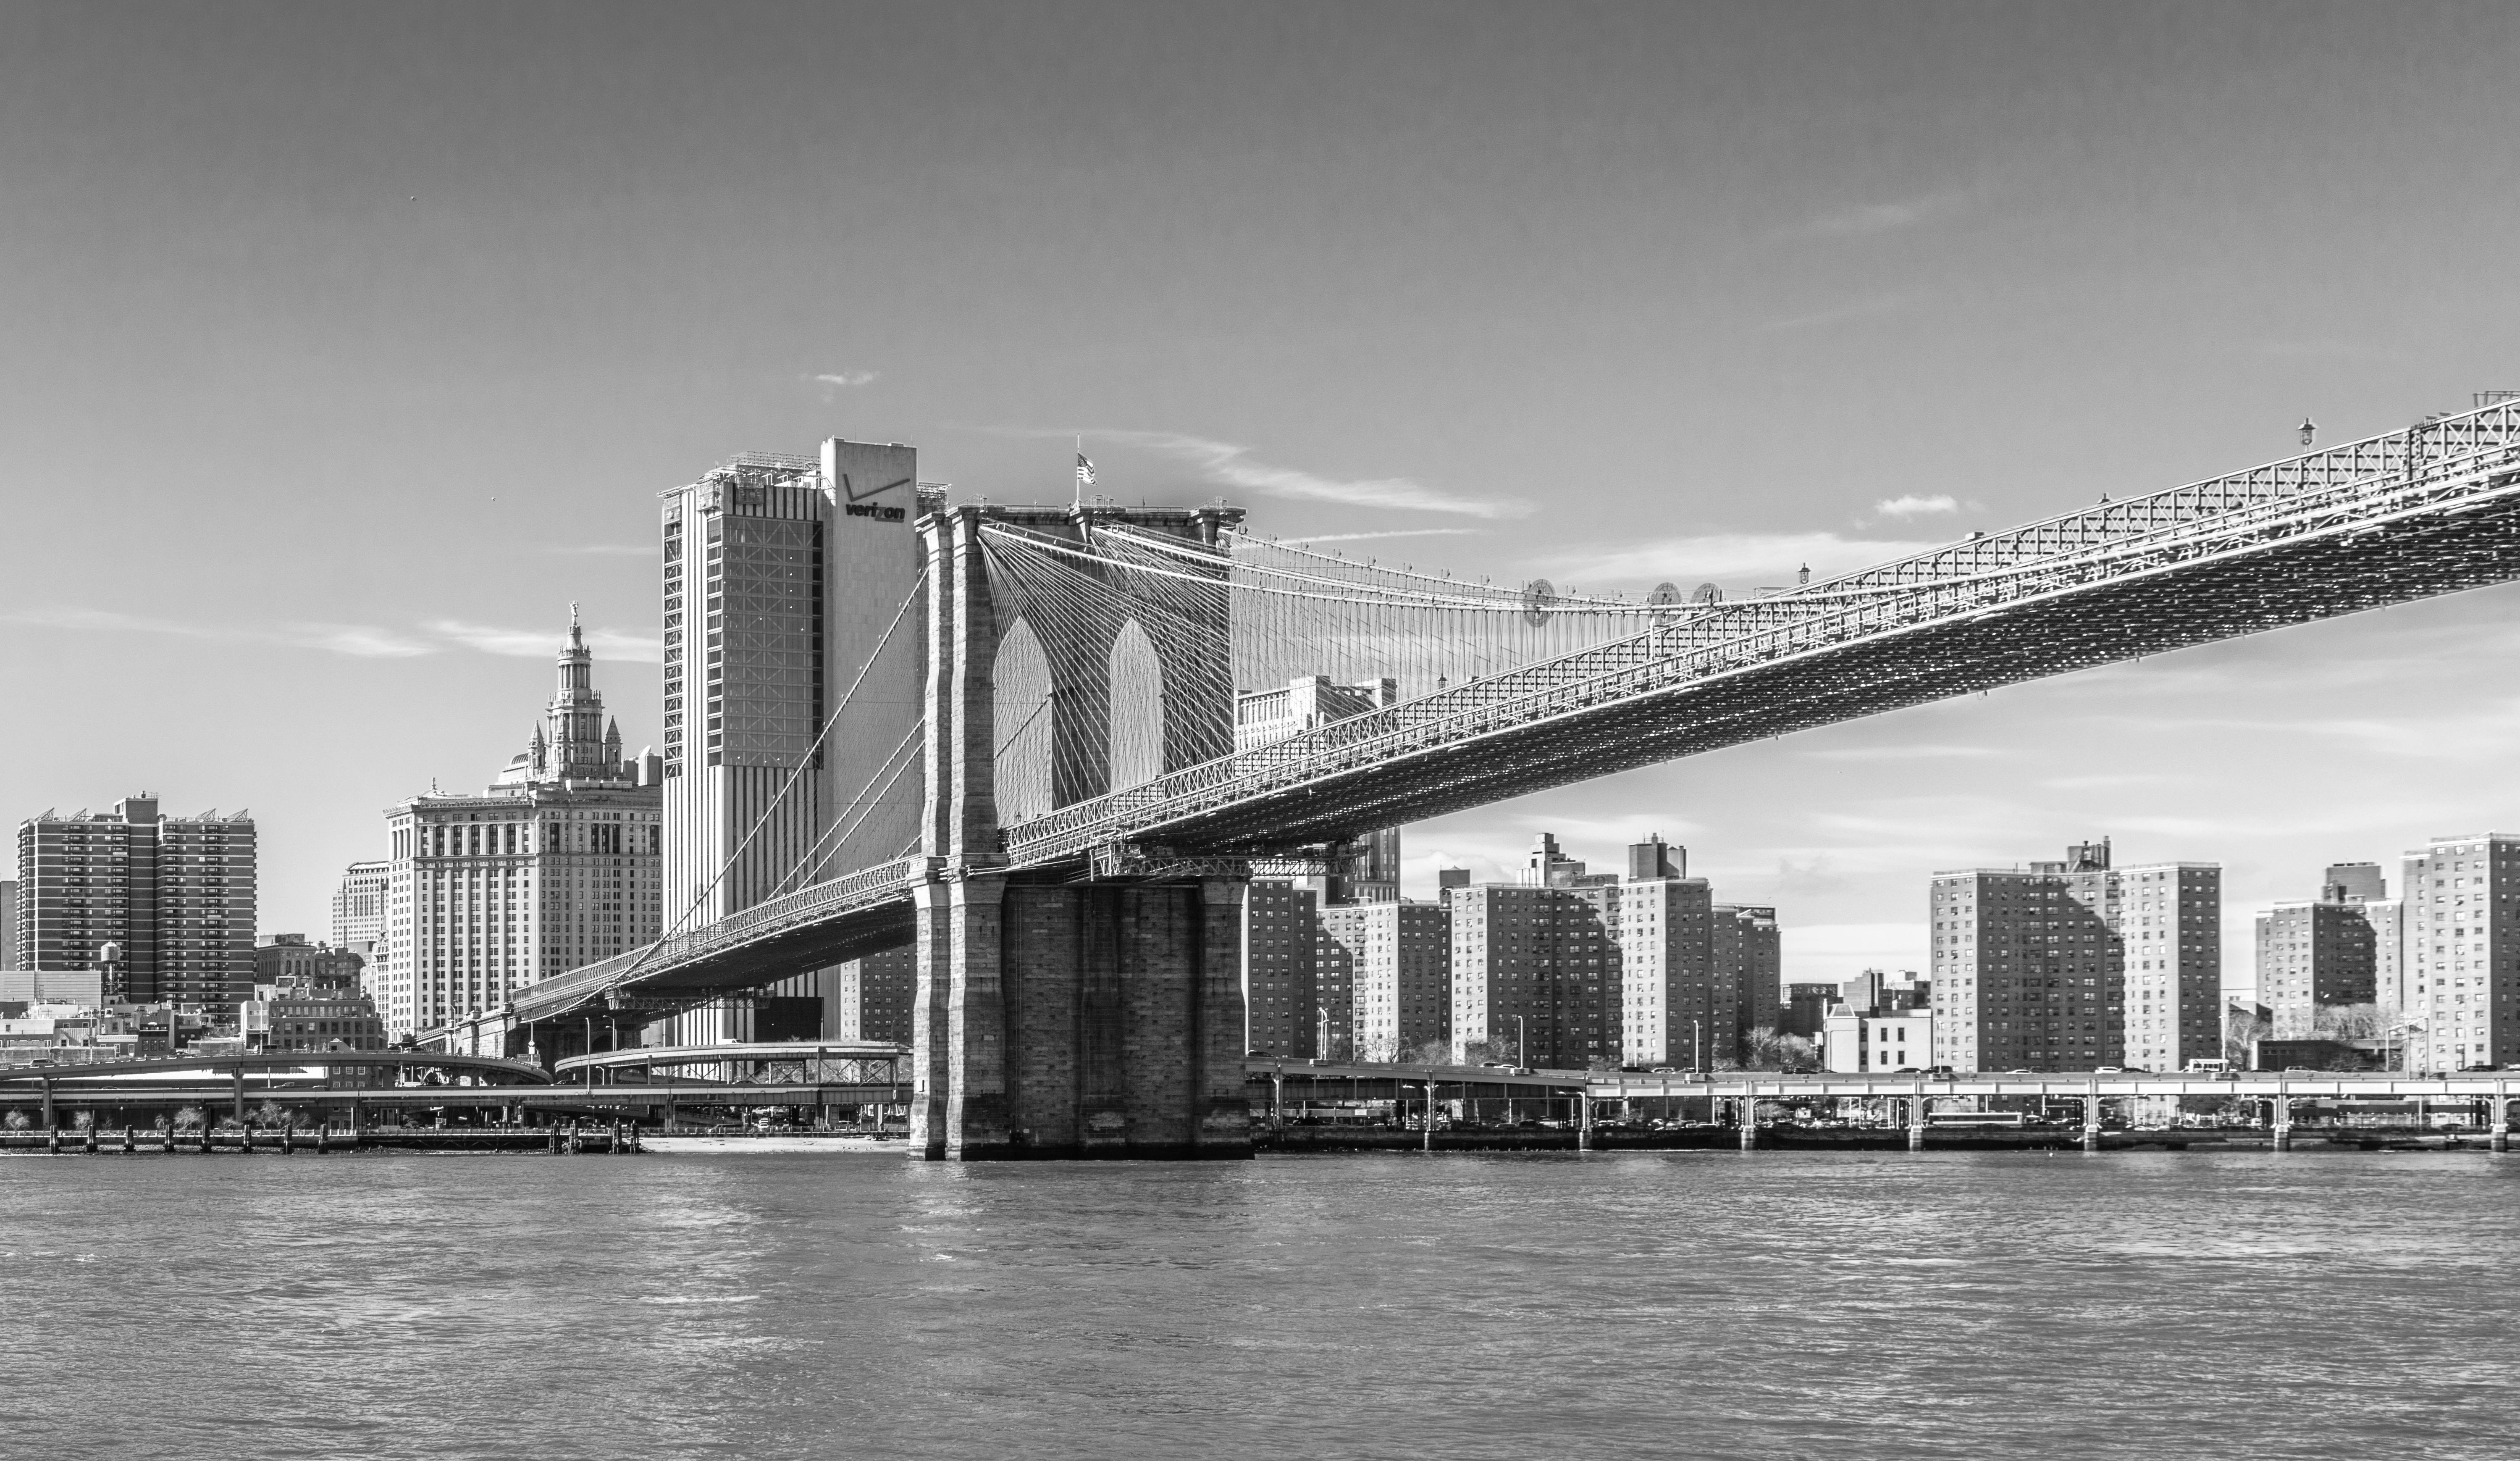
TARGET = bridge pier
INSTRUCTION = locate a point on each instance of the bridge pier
(2091, 1123)
(2282, 1124)
(1917, 1123)
(1097, 1019)
(1746, 1117)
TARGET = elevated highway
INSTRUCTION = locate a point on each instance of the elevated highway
(333, 1069)
(791, 1061)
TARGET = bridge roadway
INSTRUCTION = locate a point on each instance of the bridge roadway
(2428, 510)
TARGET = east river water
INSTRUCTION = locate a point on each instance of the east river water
(1698, 1304)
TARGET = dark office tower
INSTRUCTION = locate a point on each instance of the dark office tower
(781, 577)
(2353, 883)
(1748, 955)
(1655, 859)
(175, 894)
(792, 696)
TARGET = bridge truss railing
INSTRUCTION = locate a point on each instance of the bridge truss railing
(2357, 485)
(815, 902)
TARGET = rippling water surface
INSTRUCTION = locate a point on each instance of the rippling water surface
(1702, 1304)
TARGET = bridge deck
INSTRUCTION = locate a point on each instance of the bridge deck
(2431, 510)
(2282, 545)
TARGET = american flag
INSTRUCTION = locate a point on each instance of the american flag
(1084, 471)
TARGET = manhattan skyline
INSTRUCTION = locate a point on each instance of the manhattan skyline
(409, 323)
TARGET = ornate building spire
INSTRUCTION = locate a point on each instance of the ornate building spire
(580, 745)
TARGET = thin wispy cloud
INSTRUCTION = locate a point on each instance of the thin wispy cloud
(1841, 314)
(1867, 219)
(1226, 465)
(1899, 753)
(1736, 560)
(358, 641)
(1914, 506)
(2115, 782)
(543, 643)
(1398, 533)
(844, 379)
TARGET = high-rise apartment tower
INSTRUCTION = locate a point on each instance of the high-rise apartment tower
(2065, 966)
(2458, 1002)
(175, 896)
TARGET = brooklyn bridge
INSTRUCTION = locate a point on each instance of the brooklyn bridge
(1023, 759)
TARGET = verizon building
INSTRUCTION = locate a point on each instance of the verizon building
(790, 745)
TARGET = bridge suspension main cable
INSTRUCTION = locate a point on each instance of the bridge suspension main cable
(809, 866)
(1264, 613)
(788, 787)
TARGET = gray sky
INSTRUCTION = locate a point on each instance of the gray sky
(347, 344)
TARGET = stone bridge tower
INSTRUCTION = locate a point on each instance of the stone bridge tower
(1053, 1017)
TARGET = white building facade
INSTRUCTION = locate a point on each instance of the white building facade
(2459, 957)
(556, 864)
